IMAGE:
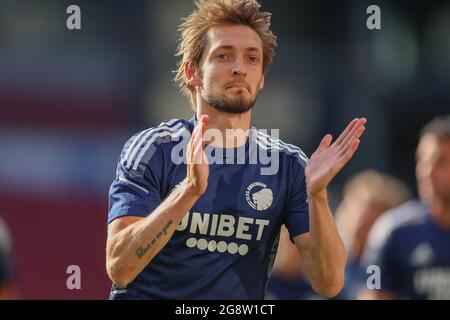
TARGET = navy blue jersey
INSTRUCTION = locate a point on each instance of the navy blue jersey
(384, 225)
(415, 261)
(225, 246)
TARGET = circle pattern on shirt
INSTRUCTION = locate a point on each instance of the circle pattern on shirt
(191, 242)
(202, 244)
(232, 247)
(243, 249)
(213, 245)
(222, 246)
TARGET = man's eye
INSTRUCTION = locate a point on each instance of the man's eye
(253, 59)
(222, 56)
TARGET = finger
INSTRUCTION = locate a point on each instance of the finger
(192, 143)
(204, 120)
(190, 150)
(199, 142)
(325, 143)
(200, 128)
(356, 136)
(350, 134)
(345, 158)
(346, 131)
(349, 153)
(197, 146)
(355, 129)
(201, 124)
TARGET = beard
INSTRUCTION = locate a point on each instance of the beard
(236, 104)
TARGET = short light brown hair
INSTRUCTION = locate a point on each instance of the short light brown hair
(371, 185)
(210, 13)
(439, 127)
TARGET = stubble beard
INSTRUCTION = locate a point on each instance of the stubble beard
(236, 104)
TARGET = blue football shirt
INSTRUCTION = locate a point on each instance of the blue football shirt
(225, 246)
(384, 225)
(415, 261)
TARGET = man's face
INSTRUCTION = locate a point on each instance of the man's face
(440, 172)
(425, 152)
(231, 68)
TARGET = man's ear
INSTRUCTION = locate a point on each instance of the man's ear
(261, 83)
(190, 73)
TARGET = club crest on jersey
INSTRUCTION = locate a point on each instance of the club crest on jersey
(258, 196)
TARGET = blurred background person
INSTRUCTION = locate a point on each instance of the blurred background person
(288, 280)
(7, 286)
(406, 212)
(365, 198)
(415, 260)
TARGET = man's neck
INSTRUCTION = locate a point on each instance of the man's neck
(223, 122)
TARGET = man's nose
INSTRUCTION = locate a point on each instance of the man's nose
(239, 68)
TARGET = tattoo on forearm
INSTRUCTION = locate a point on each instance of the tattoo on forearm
(141, 251)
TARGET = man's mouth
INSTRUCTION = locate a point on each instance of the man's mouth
(238, 85)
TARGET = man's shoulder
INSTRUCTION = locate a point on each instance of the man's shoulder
(142, 146)
(390, 221)
(399, 216)
(160, 132)
(418, 222)
(171, 126)
(266, 141)
(410, 230)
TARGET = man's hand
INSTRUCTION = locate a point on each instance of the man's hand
(197, 163)
(329, 158)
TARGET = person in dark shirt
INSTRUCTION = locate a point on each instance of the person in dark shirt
(415, 259)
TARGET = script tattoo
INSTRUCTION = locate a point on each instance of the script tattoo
(141, 251)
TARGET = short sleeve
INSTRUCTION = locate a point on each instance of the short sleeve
(297, 215)
(136, 190)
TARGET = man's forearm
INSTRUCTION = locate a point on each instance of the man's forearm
(132, 248)
(327, 256)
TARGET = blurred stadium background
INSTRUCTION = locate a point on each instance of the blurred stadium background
(70, 99)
